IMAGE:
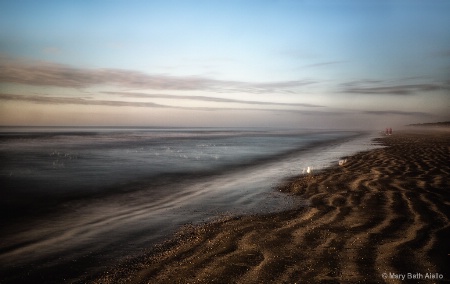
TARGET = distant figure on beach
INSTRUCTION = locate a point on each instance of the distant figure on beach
(390, 131)
(386, 132)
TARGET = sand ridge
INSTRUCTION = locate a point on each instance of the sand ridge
(384, 212)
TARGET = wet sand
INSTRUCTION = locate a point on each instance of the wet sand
(383, 213)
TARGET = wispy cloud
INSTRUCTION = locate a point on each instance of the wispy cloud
(380, 88)
(322, 64)
(39, 99)
(49, 74)
(208, 99)
(54, 100)
(397, 112)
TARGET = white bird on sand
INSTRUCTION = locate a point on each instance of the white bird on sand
(308, 170)
(342, 162)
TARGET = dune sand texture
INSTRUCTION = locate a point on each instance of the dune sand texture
(384, 211)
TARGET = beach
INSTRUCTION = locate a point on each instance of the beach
(77, 201)
(382, 216)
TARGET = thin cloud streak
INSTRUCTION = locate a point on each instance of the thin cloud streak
(39, 99)
(76, 101)
(49, 74)
(321, 64)
(396, 90)
(397, 112)
(207, 99)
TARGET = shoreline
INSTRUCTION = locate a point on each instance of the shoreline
(383, 214)
(97, 232)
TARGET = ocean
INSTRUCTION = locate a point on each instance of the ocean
(76, 200)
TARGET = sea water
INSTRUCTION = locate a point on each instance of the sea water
(90, 194)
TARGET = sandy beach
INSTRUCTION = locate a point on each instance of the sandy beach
(381, 216)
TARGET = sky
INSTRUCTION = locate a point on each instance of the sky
(193, 63)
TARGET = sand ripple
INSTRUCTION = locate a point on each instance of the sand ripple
(384, 211)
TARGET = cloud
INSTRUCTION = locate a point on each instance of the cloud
(207, 99)
(48, 74)
(280, 85)
(373, 88)
(51, 100)
(397, 112)
(321, 64)
(40, 73)
(39, 99)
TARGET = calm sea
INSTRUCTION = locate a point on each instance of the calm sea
(82, 198)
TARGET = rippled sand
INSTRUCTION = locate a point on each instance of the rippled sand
(384, 211)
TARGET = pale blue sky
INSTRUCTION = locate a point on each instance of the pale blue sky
(224, 63)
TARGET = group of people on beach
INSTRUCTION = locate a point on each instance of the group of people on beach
(388, 131)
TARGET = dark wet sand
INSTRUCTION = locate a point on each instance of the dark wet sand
(384, 211)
